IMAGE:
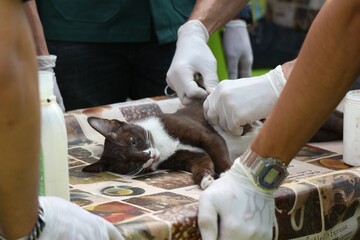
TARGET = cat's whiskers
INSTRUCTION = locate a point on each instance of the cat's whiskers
(135, 172)
(148, 138)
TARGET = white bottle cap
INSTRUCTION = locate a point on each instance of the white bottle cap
(46, 85)
(351, 134)
(353, 96)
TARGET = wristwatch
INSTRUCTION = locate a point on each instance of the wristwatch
(267, 173)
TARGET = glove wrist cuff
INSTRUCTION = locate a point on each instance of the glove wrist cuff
(267, 173)
(243, 175)
(277, 80)
(236, 23)
(194, 27)
(46, 62)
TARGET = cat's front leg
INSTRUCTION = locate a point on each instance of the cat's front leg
(202, 169)
(206, 181)
(198, 163)
(215, 147)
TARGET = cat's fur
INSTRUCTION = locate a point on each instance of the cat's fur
(183, 141)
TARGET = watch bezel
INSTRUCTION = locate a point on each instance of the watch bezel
(259, 168)
(277, 181)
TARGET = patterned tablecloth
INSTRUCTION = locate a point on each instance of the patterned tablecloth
(319, 200)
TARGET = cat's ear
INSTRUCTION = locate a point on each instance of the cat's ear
(104, 126)
(98, 166)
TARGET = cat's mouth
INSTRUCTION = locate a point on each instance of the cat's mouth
(154, 155)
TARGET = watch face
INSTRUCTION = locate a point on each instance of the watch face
(272, 176)
(267, 172)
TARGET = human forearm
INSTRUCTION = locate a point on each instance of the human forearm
(215, 13)
(19, 123)
(330, 57)
(36, 27)
(46, 62)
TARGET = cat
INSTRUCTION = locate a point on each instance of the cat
(183, 140)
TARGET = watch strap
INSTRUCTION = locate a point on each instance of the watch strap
(256, 168)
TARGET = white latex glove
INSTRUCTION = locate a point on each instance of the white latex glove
(47, 63)
(235, 103)
(237, 49)
(246, 212)
(192, 56)
(66, 220)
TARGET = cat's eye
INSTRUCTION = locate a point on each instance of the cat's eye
(132, 141)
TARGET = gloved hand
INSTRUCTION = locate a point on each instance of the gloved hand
(192, 56)
(237, 49)
(235, 103)
(246, 212)
(65, 220)
(47, 63)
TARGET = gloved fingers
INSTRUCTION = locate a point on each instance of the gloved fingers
(62, 220)
(210, 84)
(207, 218)
(111, 232)
(169, 82)
(210, 79)
(193, 91)
(114, 234)
(185, 100)
(209, 111)
(217, 110)
(227, 118)
(185, 86)
(223, 121)
(231, 228)
(237, 131)
(232, 125)
(227, 123)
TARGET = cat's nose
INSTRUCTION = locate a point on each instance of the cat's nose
(153, 153)
(156, 155)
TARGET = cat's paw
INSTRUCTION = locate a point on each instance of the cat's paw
(206, 181)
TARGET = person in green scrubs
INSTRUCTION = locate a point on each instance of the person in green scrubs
(111, 51)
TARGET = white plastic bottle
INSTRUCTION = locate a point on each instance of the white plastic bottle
(351, 134)
(54, 172)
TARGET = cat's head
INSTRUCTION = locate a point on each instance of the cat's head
(128, 148)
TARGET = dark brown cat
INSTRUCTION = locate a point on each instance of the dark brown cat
(183, 141)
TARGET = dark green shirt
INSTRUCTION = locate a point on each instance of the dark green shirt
(113, 20)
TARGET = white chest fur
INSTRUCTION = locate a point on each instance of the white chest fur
(163, 142)
(167, 145)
